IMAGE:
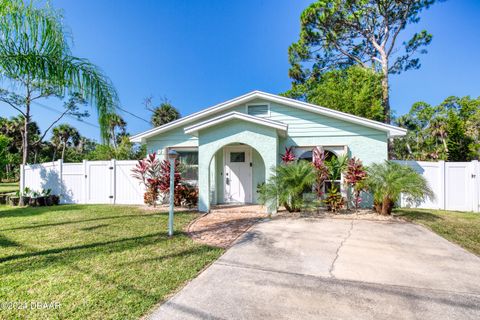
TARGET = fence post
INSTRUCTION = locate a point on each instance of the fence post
(85, 182)
(22, 177)
(113, 181)
(442, 197)
(475, 175)
(60, 178)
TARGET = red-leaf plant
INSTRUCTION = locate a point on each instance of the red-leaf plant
(354, 174)
(321, 168)
(288, 156)
(148, 172)
(165, 178)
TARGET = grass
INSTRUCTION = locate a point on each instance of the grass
(462, 228)
(97, 261)
(7, 187)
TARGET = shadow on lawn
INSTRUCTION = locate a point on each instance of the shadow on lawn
(417, 215)
(34, 226)
(30, 211)
(73, 254)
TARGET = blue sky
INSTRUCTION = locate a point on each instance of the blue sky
(199, 53)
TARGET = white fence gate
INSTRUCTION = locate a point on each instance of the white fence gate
(107, 182)
(456, 184)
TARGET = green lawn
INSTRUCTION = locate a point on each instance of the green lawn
(97, 261)
(6, 187)
(462, 228)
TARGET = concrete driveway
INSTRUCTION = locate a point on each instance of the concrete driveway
(334, 269)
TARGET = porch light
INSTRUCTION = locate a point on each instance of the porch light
(172, 155)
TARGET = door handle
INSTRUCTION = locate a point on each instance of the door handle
(227, 181)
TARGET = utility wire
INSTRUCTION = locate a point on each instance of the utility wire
(133, 115)
(66, 115)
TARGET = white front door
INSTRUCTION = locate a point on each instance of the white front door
(238, 175)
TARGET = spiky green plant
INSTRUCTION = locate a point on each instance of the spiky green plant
(388, 181)
(287, 184)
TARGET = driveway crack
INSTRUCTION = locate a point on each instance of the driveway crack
(337, 253)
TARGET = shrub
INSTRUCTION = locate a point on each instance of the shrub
(286, 186)
(334, 200)
(354, 175)
(389, 180)
(288, 156)
(321, 168)
(148, 172)
(186, 195)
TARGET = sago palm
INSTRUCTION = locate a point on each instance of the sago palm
(35, 56)
(287, 185)
(389, 180)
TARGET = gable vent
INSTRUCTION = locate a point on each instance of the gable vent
(258, 110)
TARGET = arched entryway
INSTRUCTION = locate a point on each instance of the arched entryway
(231, 148)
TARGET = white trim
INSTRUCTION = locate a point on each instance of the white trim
(193, 130)
(391, 130)
(258, 104)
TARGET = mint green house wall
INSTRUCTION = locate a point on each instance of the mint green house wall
(305, 129)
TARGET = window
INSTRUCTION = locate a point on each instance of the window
(237, 156)
(258, 110)
(189, 161)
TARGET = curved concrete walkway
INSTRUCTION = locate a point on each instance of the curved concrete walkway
(334, 269)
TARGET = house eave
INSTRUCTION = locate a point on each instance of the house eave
(392, 131)
(279, 126)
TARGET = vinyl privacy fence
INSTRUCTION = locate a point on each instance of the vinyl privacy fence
(456, 184)
(108, 182)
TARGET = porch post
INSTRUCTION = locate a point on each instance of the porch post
(203, 180)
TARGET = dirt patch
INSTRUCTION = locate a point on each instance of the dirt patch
(321, 213)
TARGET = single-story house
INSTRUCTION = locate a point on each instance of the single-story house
(230, 148)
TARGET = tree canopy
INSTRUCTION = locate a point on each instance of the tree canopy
(336, 34)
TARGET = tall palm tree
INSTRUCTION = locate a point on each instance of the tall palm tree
(438, 128)
(35, 55)
(164, 113)
(65, 135)
(115, 122)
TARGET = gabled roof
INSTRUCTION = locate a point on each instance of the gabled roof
(391, 130)
(279, 126)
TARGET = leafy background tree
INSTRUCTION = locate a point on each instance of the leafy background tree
(336, 34)
(449, 131)
(354, 90)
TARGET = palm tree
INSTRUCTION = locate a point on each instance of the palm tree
(35, 56)
(438, 128)
(115, 121)
(287, 185)
(65, 135)
(389, 180)
(164, 113)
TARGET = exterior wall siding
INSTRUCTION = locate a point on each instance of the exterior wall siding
(305, 129)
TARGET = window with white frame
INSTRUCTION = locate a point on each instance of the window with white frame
(189, 161)
(306, 153)
(258, 110)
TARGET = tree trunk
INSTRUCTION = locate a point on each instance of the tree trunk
(387, 206)
(63, 149)
(25, 131)
(385, 89)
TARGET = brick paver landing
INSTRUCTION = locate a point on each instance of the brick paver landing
(225, 223)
